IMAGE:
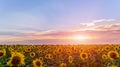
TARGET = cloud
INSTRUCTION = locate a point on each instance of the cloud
(108, 33)
(108, 22)
(103, 20)
(58, 37)
(99, 32)
(94, 22)
(97, 24)
(109, 27)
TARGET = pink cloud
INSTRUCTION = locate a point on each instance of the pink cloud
(109, 27)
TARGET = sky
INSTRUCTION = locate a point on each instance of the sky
(59, 21)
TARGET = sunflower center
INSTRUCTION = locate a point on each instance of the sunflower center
(63, 65)
(16, 60)
(84, 55)
(113, 55)
(107, 48)
(38, 63)
(1, 53)
(32, 54)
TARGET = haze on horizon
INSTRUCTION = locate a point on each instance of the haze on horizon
(59, 21)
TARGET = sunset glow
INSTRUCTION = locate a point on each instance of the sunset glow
(80, 37)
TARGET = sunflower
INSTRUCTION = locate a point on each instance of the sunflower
(2, 53)
(104, 56)
(98, 51)
(116, 48)
(28, 49)
(49, 56)
(119, 47)
(41, 58)
(113, 66)
(32, 54)
(55, 52)
(63, 65)
(68, 52)
(10, 49)
(81, 50)
(83, 56)
(70, 59)
(16, 59)
(113, 55)
(40, 52)
(37, 63)
(107, 48)
(59, 50)
(74, 49)
(23, 51)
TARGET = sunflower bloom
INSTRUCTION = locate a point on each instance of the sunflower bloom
(107, 48)
(2, 53)
(28, 50)
(63, 65)
(83, 56)
(32, 54)
(55, 52)
(104, 56)
(16, 59)
(37, 63)
(70, 59)
(59, 50)
(41, 58)
(49, 56)
(113, 66)
(113, 55)
(116, 48)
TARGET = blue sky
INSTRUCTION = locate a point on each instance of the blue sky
(25, 17)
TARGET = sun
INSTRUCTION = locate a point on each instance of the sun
(80, 37)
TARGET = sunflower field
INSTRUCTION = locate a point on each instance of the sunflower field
(60, 55)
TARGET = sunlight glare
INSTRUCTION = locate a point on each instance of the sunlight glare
(81, 37)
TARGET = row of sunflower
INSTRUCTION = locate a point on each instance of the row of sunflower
(59, 55)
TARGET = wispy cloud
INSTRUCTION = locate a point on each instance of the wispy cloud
(109, 27)
(92, 25)
(94, 22)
